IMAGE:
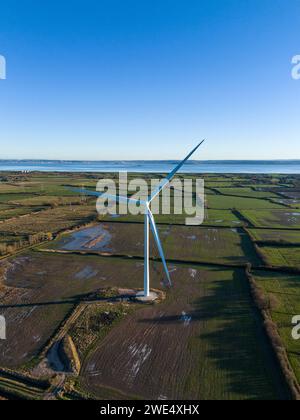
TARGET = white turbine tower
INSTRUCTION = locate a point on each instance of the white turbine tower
(149, 221)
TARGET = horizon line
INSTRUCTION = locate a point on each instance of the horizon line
(145, 160)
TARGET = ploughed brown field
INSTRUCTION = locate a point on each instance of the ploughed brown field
(39, 292)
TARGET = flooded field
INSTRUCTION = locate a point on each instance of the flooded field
(96, 238)
(180, 242)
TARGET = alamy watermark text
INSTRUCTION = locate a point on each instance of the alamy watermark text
(296, 329)
(181, 197)
(296, 67)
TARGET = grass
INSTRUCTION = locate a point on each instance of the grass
(282, 219)
(224, 246)
(218, 218)
(16, 212)
(281, 236)
(182, 243)
(44, 200)
(6, 198)
(223, 346)
(246, 192)
(52, 220)
(286, 290)
(241, 203)
(95, 322)
(281, 256)
(15, 390)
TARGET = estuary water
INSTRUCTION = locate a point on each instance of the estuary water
(197, 167)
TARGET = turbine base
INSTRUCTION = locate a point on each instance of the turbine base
(140, 297)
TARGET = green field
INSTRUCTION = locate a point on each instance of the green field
(281, 236)
(181, 243)
(18, 211)
(207, 336)
(286, 290)
(222, 345)
(282, 256)
(224, 246)
(282, 219)
(247, 192)
(241, 203)
(52, 220)
(218, 218)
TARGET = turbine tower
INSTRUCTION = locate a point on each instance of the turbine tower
(148, 220)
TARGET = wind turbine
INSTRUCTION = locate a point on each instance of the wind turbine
(149, 220)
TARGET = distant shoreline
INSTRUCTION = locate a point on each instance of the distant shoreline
(284, 167)
(191, 162)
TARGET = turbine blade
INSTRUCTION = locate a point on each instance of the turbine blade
(159, 245)
(117, 198)
(171, 175)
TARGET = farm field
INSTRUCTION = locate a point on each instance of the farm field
(279, 219)
(7, 198)
(39, 291)
(18, 211)
(221, 218)
(247, 192)
(64, 270)
(279, 236)
(227, 246)
(292, 194)
(242, 203)
(293, 203)
(205, 350)
(281, 256)
(285, 289)
(41, 200)
(49, 221)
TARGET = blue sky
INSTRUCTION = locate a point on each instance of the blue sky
(141, 79)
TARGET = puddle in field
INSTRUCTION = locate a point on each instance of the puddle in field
(292, 217)
(14, 266)
(139, 353)
(54, 360)
(165, 232)
(185, 318)
(193, 273)
(172, 269)
(96, 238)
(87, 273)
(139, 265)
